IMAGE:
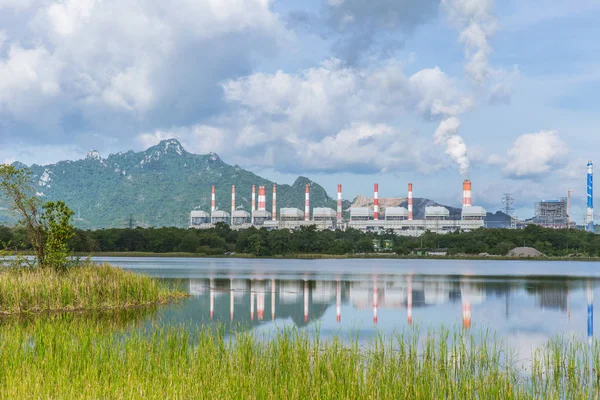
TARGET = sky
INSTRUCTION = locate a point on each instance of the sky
(342, 91)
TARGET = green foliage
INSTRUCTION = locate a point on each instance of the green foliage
(84, 287)
(58, 230)
(81, 359)
(157, 187)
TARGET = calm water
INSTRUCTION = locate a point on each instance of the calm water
(525, 302)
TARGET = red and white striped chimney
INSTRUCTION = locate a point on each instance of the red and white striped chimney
(410, 202)
(274, 213)
(467, 193)
(232, 201)
(307, 203)
(339, 205)
(376, 202)
(261, 199)
(253, 199)
(213, 206)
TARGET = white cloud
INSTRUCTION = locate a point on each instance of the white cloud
(534, 155)
(335, 105)
(198, 139)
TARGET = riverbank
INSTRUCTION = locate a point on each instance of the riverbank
(87, 287)
(66, 360)
(331, 256)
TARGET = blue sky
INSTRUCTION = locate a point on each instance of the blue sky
(342, 91)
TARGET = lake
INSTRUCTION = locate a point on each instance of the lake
(524, 302)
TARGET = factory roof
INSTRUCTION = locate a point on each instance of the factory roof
(361, 212)
(241, 214)
(396, 212)
(436, 211)
(473, 211)
(219, 214)
(199, 214)
(262, 214)
(291, 213)
(324, 212)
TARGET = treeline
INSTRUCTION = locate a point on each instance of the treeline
(308, 240)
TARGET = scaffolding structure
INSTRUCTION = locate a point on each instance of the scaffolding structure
(551, 213)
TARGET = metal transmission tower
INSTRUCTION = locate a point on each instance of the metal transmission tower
(508, 201)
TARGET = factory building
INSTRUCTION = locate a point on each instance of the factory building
(551, 214)
(368, 219)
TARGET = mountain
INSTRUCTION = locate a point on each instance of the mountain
(157, 187)
(161, 185)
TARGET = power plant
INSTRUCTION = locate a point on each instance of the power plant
(398, 219)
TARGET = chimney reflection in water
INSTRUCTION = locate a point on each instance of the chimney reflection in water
(338, 301)
(305, 301)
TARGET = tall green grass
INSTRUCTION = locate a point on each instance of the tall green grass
(86, 287)
(65, 360)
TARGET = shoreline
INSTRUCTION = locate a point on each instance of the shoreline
(390, 256)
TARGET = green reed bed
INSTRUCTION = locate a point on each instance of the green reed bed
(85, 287)
(66, 360)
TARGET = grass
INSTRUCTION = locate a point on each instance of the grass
(82, 288)
(62, 359)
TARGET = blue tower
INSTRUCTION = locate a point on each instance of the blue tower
(589, 220)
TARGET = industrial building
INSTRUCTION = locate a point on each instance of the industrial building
(398, 219)
(551, 214)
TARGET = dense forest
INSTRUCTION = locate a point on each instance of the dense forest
(308, 240)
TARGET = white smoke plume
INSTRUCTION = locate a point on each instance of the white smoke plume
(447, 133)
(476, 24)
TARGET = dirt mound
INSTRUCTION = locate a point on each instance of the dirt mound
(524, 252)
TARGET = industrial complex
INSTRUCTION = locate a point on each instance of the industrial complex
(397, 219)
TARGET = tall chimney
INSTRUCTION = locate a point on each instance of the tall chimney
(274, 214)
(339, 205)
(307, 203)
(467, 193)
(376, 202)
(253, 206)
(261, 199)
(232, 202)
(212, 200)
(410, 202)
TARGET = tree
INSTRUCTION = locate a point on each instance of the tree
(17, 190)
(49, 232)
(58, 230)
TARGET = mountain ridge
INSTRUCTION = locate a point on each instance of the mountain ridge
(159, 186)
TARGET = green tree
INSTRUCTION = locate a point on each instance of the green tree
(17, 190)
(58, 230)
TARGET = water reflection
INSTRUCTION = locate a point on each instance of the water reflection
(511, 306)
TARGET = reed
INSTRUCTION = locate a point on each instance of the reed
(62, 360)
(81, 288)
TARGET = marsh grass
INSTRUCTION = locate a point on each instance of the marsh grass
(59, 359)
(87, 287)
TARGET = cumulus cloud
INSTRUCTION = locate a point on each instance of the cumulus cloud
(119, 66)
(310, 113)
(358, 30)
(535, 155)
(198, 138)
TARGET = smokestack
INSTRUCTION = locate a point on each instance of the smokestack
(589, 219)
(212, 200)
(339, 205)
(376, 202)
(274, 214)
(261, 199)
(307, 203)
(232, 202)
(253, 199)
(467, 193)
(410, 202)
